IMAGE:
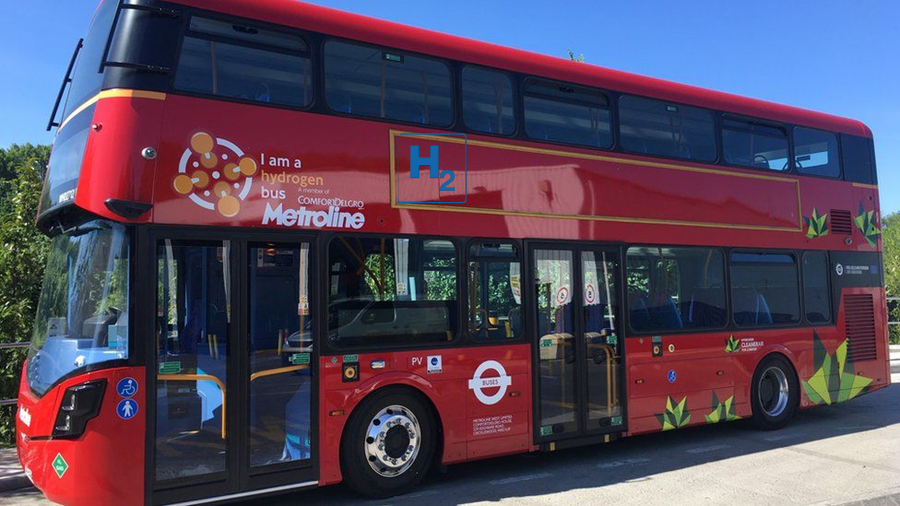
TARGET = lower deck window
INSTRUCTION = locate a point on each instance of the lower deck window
(764, 289)
(391, 291)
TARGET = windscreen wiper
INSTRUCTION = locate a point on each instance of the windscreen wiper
(62, 89)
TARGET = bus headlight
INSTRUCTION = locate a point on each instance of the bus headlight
(79, 404)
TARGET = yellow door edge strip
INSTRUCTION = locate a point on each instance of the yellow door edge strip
(866, 186)
(114, 93)
(584, 156)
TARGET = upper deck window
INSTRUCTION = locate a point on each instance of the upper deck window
(858, 159)
(752, 144)
(566, 113)
(816, 152)
(229, 60)
(87, 79)
(370, 81)
(655, 127)
(487, 98)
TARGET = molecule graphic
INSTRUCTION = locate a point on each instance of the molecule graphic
(229, 186)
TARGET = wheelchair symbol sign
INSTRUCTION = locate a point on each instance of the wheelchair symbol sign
(127, 387)
(126, 409)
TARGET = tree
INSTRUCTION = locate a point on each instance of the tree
(23, 250)
(890, 241)
(577, 59)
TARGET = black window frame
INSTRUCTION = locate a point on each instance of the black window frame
(726, 287)
(798, 268)
(838, 153)
(610, 106)
(784, 127)
(307, 38)
(828, 287)
(331, 348)
(517, 104)
(713, 115)
(452, 72)
(470, 339)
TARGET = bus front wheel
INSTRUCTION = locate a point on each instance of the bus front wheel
(774, 393)
(388, 444)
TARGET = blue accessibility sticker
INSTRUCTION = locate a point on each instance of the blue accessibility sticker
(672, 376)
(127, 387)
(127, 409)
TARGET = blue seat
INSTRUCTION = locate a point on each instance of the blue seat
(751, 308)
(664, 314)
(640, 315)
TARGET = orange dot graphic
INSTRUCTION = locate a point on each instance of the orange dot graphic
(248, 166)
(221, 189)
(200, 179)
(229, 206)
(209, 160)
(202, 143)
(183, 184)
(232, 172)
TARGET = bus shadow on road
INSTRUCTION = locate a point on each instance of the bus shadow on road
(633, 459)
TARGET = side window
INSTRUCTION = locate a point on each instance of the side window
(565, 113)
(495, 292)
(229, 60)
(391, 291)
(370, 81)
(675, 288)
(751, 144)
(487, 100)
(87, 80)
(764, 289)
(858, 160)
(816, 295)
(816, 152)
(654, 127)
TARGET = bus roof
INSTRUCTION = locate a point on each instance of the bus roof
(376, 31)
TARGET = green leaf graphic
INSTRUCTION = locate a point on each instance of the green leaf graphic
(676, 415)
(815, 225)
(732, 345)
(834, 380)
(865, 222)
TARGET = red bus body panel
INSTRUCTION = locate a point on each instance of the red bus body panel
(516, 189)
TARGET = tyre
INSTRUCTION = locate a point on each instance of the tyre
(774, 393)
(389, 444)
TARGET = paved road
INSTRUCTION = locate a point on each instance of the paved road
(830, 455)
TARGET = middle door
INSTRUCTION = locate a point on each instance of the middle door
(576, 317)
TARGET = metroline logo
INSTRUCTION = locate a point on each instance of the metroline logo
(304, 217)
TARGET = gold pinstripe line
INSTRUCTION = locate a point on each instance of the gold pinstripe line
(584, 156)
(115, 93)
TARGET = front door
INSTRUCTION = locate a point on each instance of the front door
(232, 367)
(575, 298)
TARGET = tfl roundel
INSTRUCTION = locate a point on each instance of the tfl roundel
(491, 389)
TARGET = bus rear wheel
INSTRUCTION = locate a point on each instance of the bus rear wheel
(388, 444)
(774, 393)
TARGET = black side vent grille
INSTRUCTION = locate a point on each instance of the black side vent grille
(859, 323)
(841, 222)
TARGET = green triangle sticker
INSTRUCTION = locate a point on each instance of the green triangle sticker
(60, 465)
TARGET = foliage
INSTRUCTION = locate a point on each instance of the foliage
(22, 254)
(890, 242)
(576, 59)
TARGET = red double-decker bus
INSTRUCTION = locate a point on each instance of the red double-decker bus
(249, 291)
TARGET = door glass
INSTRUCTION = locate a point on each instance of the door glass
(601, 337)
(192, 328)
(556, 333)
(281, 343)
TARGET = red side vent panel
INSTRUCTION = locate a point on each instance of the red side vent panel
(859, 321)
(841, 222)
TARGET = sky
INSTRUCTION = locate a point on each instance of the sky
(839, 57)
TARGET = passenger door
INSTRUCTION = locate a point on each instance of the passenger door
(232, 366)
(575, 312)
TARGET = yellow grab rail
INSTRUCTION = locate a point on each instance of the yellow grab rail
(280, 370)
(199, 377)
